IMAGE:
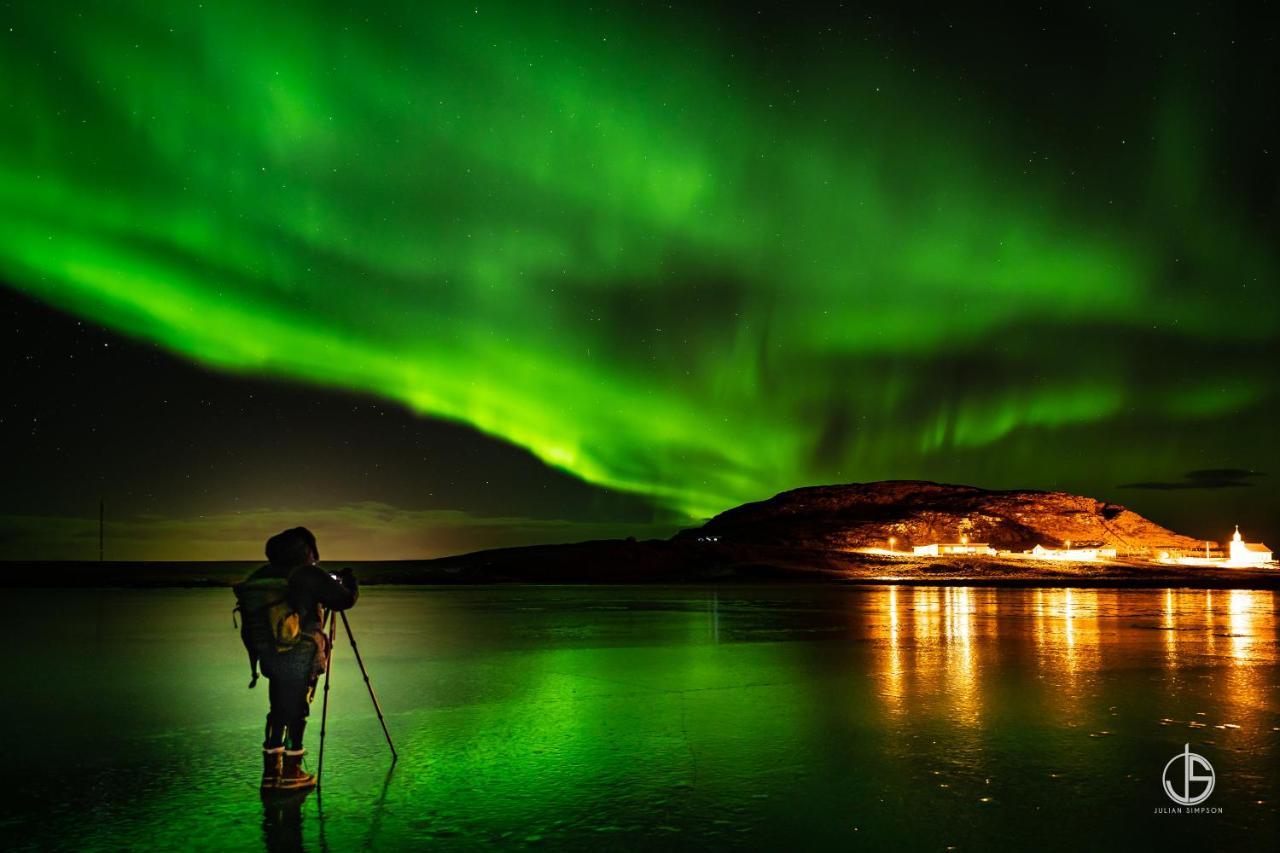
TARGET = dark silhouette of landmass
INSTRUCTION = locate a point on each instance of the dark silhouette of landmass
(859, 533)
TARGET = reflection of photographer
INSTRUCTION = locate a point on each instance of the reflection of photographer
(282, 820)
(284, 605)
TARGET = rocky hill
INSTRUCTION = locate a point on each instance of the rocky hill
(913, 512)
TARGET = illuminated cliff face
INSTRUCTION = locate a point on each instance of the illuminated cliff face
(632, 247)
(943, 519)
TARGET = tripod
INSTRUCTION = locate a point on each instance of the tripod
(328, 667)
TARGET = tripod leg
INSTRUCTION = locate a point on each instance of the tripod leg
(324, 713)
(367, 683)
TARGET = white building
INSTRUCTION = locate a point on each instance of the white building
(953, 549)
(1087, 555)
(1247, 553)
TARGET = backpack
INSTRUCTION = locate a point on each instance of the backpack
(267, 620)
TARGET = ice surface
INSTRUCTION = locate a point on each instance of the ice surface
(642, 717)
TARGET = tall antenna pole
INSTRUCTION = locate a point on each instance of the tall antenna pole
(101, 515)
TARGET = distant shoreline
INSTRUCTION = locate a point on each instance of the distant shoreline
(908, 532)
(630, 563)
(1258, 585)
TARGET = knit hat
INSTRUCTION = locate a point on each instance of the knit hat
(292, 547)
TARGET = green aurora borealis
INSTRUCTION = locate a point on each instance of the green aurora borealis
(656, 258)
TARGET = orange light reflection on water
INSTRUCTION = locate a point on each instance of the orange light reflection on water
(942, 640)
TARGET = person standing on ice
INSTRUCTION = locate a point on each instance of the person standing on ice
(284, 605)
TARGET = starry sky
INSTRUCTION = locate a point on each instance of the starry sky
(437, 277)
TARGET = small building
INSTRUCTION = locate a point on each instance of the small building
(1247, 553)
(954, 549)
(1087, 555)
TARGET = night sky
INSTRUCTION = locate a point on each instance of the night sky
(430, 278)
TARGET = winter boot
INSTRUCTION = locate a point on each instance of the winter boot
(292, 776)
(271, 759)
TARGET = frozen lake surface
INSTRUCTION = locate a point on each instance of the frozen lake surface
(657, 717)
